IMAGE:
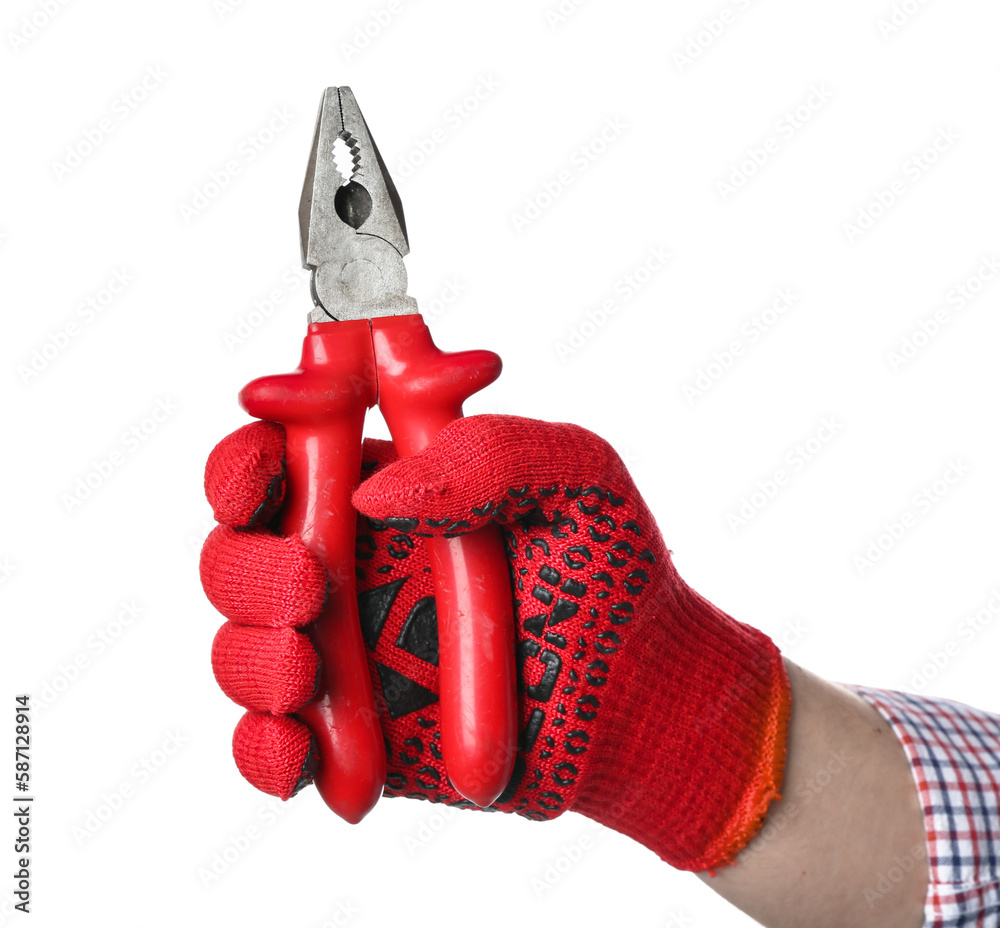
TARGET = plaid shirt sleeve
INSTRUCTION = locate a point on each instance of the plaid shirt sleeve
(954, 754)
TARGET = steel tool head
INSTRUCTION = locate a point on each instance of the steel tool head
(351, 220)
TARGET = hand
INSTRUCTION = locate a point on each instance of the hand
(637, 696)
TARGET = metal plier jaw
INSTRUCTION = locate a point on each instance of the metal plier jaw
(351, 220)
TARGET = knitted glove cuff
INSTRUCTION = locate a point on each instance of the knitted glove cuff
(687, 761)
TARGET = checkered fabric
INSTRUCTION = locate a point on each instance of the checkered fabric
(954, 753)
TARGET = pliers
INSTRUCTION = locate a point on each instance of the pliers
(368, 345)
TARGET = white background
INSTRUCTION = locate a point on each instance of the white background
(216, 75)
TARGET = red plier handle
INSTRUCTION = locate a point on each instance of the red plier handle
(421, 390)
(346, 368)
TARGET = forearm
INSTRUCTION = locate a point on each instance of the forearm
(850, 811)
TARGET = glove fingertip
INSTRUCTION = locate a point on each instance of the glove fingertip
(245, 475)
(265, 669)
(444, 490)
(399, 486)
(256, 578)
(275, 753)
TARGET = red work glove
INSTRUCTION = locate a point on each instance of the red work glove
(641, 705)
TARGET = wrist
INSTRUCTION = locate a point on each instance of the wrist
(691, 755)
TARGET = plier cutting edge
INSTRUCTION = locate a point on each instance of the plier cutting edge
(368, 345)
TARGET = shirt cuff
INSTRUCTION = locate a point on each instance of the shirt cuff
(954, 755)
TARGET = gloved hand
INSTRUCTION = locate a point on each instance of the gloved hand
(641, 705)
